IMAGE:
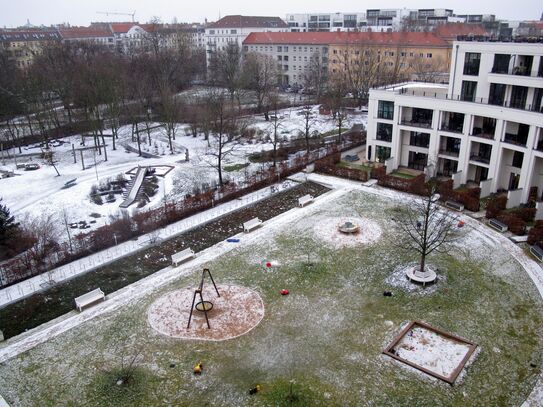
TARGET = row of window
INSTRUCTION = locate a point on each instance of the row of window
(212, 32)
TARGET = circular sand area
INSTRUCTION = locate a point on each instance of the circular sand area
(234, 313)
(327, 230)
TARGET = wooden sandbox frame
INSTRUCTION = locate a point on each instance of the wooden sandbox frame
(413, 324)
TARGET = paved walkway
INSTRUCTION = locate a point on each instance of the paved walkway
(28, 287)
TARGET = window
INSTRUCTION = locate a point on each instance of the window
(385, 110)
(279, 57)
(286, 49)
(417, 161)
(538, 99)
(471, 63)
(279, 49)
(211, 32)
(468, 91)
(496, 95)
(233, 31)
(518, 157)
(518, 97)
(429, 55)
(501, 63)
(403, 54)
(384, 132)
(419, 139)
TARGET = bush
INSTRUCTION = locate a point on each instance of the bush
(495, 206)
(526, 214)
(536, 233)
(515, 224)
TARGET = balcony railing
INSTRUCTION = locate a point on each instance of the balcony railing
(417, 123)
(452, 128)
(484, 101)
(515, 139)
(452, 153)
(384, 137)
(484, 134)
(480, 158)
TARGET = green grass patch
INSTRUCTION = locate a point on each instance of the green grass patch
(404, 175)
(235, 167)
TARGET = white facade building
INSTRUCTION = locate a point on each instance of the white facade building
(234, 29)
(307, 22)
(485, 127)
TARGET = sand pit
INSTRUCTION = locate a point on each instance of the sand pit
(234, 313)
(328, 231)
(432, 351)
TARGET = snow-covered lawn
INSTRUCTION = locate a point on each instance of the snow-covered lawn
(327, 335)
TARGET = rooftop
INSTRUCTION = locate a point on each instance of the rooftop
(343, 38)
(239, 21)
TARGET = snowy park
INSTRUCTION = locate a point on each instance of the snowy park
(321, 340)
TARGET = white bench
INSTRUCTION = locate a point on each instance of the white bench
(496, 224)
(454, 205)
(89, 299)
(252, 224)
(182, 256)
(537, 252)
(304, 200)
(519, 239)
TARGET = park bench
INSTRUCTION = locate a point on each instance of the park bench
(304, 200)
(537, 252)
(454, 205)
(89, 299)
(519, 239)
(182, 256)
(252, 224)
(496, 224)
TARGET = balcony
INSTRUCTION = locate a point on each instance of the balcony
(480, 158)
(383, 137)
(516, 139)
(483, 133)
(450, 152)
(453, 127)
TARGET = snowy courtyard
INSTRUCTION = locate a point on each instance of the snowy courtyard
(326, 336)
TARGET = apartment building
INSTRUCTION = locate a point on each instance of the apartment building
(293, 51)
(235, 29)
(484, 127)
(23, 45)
(404, 54)
(309, 22)
(98, 35)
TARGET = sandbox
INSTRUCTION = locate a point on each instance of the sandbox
(431, 350)
(234, 313)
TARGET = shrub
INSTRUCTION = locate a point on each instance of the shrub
(526, 214)
(536, 233)
(495, 206)
(515, 224)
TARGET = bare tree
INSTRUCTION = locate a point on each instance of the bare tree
(316, 76)
(260, 75)
(427, 70)
(225, 68)
(426, 227)
(309, 121)
(276, 123)
(226, 129)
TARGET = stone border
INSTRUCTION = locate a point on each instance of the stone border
(413, 324)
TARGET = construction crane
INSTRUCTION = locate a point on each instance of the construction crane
(107, 13)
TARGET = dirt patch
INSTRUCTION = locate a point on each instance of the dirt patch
(234, 313)
(327, 230)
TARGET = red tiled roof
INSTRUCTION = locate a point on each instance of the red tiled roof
(249, 22)
(452, 30)
(338, 38)
(84, 32)
(121, 27)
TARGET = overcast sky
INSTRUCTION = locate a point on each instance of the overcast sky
(81, 12)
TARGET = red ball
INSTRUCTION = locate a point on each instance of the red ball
(284, 292)
(268, 264)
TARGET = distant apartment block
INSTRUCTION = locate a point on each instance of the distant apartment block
(404, 53)
(484, 127)
(23, 46)
(235, 29)
(325, 22)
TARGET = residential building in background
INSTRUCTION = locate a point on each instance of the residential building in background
(23, 46)
(306, 22)
(234, 29)
(99, 35)
(485, 127)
